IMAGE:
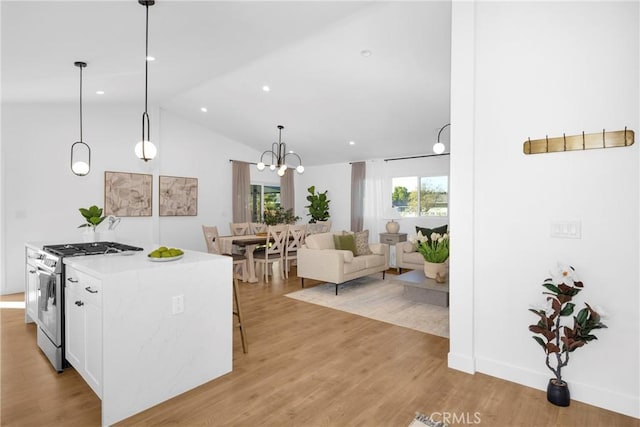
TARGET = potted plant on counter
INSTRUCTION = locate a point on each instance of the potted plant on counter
(93, 217)
(557, 339)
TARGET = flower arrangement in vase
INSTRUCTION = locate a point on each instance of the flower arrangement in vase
(435, 251)
(558, 340)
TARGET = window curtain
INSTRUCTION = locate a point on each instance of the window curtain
(358, 171)
(240, 191)
(375, 198)
(287, 191)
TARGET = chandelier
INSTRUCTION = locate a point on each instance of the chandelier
(279, 156)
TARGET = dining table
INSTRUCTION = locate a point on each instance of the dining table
(249, 242)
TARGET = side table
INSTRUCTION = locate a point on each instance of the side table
(391, 239)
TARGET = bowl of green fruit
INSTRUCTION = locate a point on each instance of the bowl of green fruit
(164, 254)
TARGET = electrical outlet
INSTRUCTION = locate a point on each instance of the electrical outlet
(178, 304)
(566, 229)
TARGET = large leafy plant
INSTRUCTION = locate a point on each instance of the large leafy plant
(93, 216)
(556, 338)
(433, 249)
(279, 216)
(318, 205)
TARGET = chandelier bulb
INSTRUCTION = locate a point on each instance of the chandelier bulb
(438, 148)
(260, 166)
(300, 169)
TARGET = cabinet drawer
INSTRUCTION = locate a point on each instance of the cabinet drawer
(88, 288)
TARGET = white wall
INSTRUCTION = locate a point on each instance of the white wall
(548, 69)
(42, 196)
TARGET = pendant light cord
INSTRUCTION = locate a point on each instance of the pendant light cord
(146, 59)
(80, 103)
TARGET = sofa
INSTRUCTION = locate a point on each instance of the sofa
(319, 259)
(407, 255)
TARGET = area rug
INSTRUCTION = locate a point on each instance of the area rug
(380, 300)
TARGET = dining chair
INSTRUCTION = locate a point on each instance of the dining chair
(258, 227)
(239, 228)
(295, 239)
(274, 250)
(213, 247)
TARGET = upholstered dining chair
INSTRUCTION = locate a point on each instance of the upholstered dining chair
(295, 239)
(274, 251)
(213, 247)
(239, 228)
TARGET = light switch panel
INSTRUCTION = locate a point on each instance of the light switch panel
(566, 229)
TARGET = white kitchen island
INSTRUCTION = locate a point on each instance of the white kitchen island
(142, 332)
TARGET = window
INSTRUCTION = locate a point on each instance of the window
(415, 196)
(263, 197)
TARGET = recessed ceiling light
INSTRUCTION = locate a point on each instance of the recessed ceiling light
(352, 143)
(151, 58)
(266, 88)
(203, 109)
(365, 53)
(99, 92)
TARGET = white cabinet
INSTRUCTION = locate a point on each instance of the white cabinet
(83, 326)
(31, 287)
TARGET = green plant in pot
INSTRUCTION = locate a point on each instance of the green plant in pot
(554, 335)
(279, 216)
(318, 205)
(435, 251)
(93, 217)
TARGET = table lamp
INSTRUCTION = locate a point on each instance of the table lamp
(391, 215)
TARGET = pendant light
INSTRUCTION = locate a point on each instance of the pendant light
(145, 149)
(439, 147)
(80, 151)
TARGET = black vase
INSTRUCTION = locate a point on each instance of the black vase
(558, 393)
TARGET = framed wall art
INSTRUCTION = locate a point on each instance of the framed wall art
(178, 196)
(128, 194)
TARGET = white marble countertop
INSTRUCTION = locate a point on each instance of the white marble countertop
(102, 265)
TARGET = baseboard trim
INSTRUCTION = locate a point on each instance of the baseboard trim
(461, 362)
(603, 398)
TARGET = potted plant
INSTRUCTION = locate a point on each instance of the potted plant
(556, 338)
(279, 216)
(93, 217)
(318, 205)
(435, 251)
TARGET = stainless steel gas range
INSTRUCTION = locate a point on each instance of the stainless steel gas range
(51, 278)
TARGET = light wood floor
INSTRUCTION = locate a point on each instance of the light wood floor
(307, 366)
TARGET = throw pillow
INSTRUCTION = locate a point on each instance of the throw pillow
(362, 243)
(345, 243)
(426, 232)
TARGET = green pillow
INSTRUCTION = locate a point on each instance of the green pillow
(426, 232)
(345, 242)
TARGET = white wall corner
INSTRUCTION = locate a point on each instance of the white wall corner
(461, 362)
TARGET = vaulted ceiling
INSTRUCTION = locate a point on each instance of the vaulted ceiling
(219, 55)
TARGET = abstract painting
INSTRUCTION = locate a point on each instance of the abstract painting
(127, 194)
(178, 196)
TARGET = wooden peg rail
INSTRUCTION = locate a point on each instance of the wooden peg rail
(620, 138)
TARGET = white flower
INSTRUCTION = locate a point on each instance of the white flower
(435, 236)
(420, 238)
(564, 273)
